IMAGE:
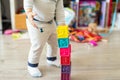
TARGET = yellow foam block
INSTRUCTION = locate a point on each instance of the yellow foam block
(62, 32)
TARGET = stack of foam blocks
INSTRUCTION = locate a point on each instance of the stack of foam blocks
(65, 52)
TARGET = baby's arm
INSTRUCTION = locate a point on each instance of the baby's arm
(60, 15)
(28, 5)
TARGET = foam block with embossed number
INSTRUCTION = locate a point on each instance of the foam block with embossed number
(62, 32)
(65, 51)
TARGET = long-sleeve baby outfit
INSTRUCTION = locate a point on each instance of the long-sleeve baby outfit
(46, 11)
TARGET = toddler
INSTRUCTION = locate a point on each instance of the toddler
(42, 16)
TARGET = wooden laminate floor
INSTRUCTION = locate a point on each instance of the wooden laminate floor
(88, 63)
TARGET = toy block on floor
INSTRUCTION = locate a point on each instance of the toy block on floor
(65, 60)
(62, 32)
(63, 42)
(66, 69)
(65, 51)
(65, 76)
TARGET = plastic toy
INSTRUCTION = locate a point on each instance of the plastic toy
(74, 38)
(16, 36)
(93, 43)
(10, 31)
(81, 38)
(92, 27)
(88, 35)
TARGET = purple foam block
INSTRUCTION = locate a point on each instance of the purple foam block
(66, 69)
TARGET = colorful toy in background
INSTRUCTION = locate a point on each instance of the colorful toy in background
(16, 36)
(87, 13)
(92, 27)
(93, 43)
(89, 35)
(10, 31)
(65, 52)
(69, 16)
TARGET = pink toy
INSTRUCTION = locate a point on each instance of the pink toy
(93, 43)
(10, 31)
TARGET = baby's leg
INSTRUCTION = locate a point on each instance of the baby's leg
(38, 40)
(52, 47)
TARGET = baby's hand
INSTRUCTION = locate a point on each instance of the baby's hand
(30, 16)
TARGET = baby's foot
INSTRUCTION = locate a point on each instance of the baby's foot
(34, 71)
(53, 63)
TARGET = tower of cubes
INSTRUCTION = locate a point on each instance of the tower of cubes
(65, 52)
